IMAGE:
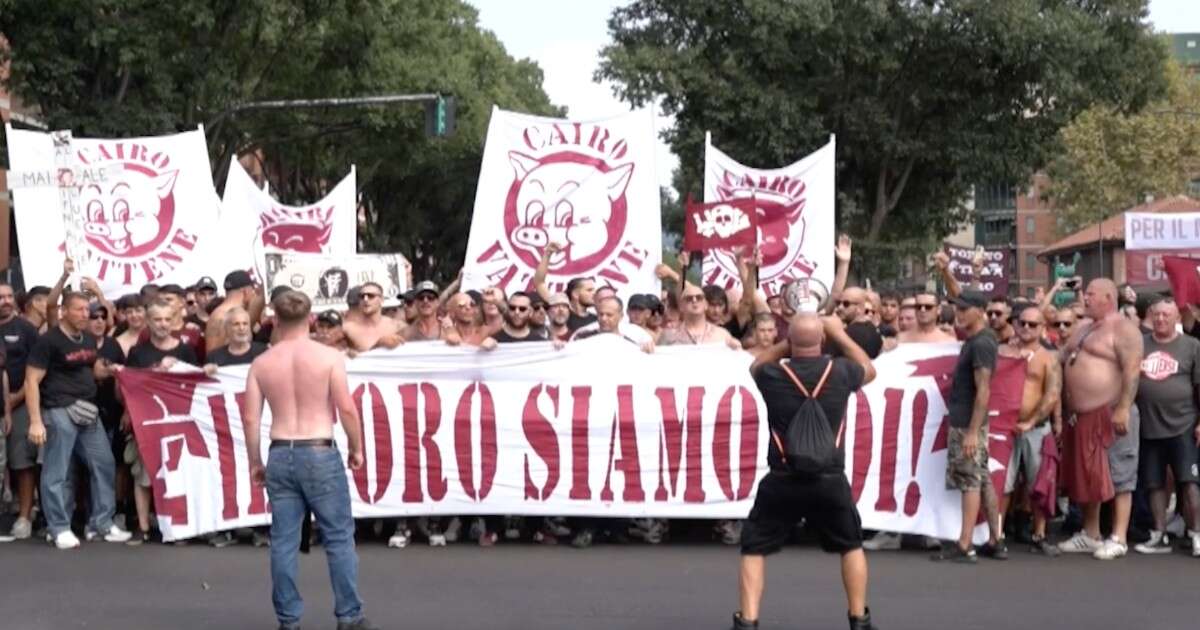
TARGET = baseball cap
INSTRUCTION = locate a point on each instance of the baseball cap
(640, 301)
(558, 299)
(330, 317)
(172, 289)
(96, 308)
(206, 284)
(426, 286)
(238, 279)
(970, 299)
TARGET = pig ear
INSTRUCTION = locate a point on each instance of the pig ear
(165, 183)
(617, 180)
(521, 163)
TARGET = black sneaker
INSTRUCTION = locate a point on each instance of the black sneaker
(742, 624)
(361, 624)
(998, 551)
(953, 553)
(1159, 543)
(861, 623)
(1044, 547)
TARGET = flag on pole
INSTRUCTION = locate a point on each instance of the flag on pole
(720, 225)
(1184, 275)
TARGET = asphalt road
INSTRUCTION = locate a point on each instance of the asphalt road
(521, 586)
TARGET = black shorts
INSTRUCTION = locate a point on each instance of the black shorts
(1179, 453)
(782, 500)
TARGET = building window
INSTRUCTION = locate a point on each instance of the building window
(1030, 225)
(1030, 263)
(1030, 292)
(995, 197)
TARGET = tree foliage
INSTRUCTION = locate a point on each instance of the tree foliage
(136, 67)
(1111, 161)
(926, 97)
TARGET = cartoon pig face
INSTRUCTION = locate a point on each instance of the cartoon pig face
(566, 202)
(298, 234)
(130, 215)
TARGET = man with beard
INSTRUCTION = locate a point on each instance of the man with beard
(1039, 400)
(558, 315)
(889, 309)
(33, 306)
(516, 321)
(998, 312)
(203, 294)
(426, 326)
(927, 331)
(854, 308)
(172, 295)
(239, 292)
(160, 351)
(19, 338)
(580, 291)
(366, 327)
(1102, 367)
(537, 317)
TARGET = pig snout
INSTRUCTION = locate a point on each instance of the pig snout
(530, 236)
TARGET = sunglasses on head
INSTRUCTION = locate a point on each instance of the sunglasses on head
(1028, 324)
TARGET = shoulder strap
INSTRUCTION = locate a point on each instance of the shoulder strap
(820, 385)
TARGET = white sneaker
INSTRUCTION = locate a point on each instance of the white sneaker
(882, 541)
(399, 540)
(437, 540)
(1195, 544)
(66, 540)
(1111, 550)
(1080, 543)
(22, 529)
(452, 531)
(113, 535)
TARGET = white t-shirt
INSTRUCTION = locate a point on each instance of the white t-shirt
(632, 332)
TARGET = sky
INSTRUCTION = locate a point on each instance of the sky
(565, 37)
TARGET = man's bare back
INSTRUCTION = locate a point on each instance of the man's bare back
(302, 382)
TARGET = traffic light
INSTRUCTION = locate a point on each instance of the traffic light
(440, 116)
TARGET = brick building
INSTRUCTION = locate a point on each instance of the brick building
(1021, 220)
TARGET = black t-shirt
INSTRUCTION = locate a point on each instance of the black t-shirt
(147, 355)
(68, 364)
(977, 352)
(736, 330)
(783, 398)
(864, 335)
(575, 322)
(19, 336)
(222, 356)
(535, 334)
(106, 390)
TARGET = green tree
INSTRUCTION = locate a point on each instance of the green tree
(926, 97)
(136, 67)
(1111, 161)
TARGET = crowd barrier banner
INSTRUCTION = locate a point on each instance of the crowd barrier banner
(589, 186)
(795, 217)
(326, 279)
(148, 212)
(598, 428)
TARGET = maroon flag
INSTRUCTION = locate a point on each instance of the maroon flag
(1184, 275)
(720, 225)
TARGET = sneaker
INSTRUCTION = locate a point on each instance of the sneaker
(138, 539)
(260, 539)
(1044, 547)
(998, 551)
(1195, 544)
(66, 540)
(221, 540)
(437, 540)
(114, 534)
(863, 622)
(558, 527)
(742, 624)
(1080, 543)
(1159, 543)
(1111, 550)
(512, 527)
(477, 529)
(951, 552)
(882, 541)
(22, 529)
(361, 624)
(7, 539)
(544, 538)
(453, 529)
(399, 540)
(582, 540)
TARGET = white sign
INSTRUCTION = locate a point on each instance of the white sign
(326, 279)
(1148, 230)
(795, 217)
(589, 186)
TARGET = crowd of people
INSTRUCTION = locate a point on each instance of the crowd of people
(1111, 388)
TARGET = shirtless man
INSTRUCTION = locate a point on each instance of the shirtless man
(1101, 369)
(303, 382)
(927, 329)
(466, 325)
(906, 319)
(696, 329)
(366, 327)
(426, 326)
(765, 333)
(1039, 399)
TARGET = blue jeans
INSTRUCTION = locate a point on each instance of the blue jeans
(313, 478)
(63, 439)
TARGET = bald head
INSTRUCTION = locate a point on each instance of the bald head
(1100, 299)
(806, 333)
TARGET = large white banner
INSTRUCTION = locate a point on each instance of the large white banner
(328, 226)
(598, 428)
(1149, 230)
(589, 186)
(895, 439)
(327, 279)
(150, 215)
(795, 217)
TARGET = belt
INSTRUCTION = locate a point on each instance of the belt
(301, 443)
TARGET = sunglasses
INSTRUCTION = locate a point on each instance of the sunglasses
(518, 309)
(692, 299)
(926, 307)
(995, 314)
(1029, 324)
(95, 317)
(847, 303)
(1063, 324)
(370, 296)
(426, 297)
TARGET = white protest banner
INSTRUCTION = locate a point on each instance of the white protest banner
(1150, 230)
(328, 226)
(596, 429)
(896, 446)
(326, 279)
(589, 186)
(795, 217)
(152, 217)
